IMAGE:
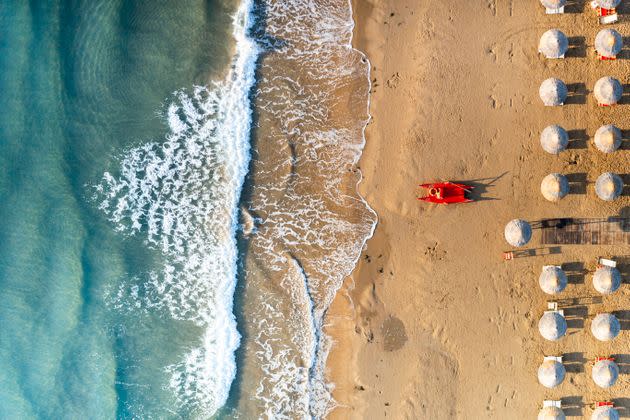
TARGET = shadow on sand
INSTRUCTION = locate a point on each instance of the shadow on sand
(481, 187)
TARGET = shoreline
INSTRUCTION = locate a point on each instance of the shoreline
(339, 324)
(432, 323)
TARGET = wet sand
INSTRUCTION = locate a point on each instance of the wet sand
(433, 324)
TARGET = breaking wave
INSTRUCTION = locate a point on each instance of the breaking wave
(181, 195)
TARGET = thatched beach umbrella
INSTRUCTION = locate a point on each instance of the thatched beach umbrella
(606, 280)
(553, 44)
(552, 326)
(552, 280)
(553, 4)
(554, 187)
(554, 139)
(608, 4)
(608, 90)
(605, 327)
(608, 186)
(551, 373)
(605, 373)
(608, 138)
(518, 232)
(608, 42)
(551, 413)
(605, 413)
(553, 92)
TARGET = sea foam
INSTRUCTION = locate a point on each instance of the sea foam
(311, 104)
(181, 194)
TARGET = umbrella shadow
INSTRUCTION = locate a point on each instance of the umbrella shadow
(536, 252)
(577, 183)
(562, 222)
(626, 184)
(575, 272)
(625, 96)
(624, 54)
(623, 8)
(558, 223)
(625, 140)
(623, 223)
(574, 362)
(575, 316)
(574, 6)
(623, 361)
(579, 302)
(624, 319)
(624, 268)
(572, 406)
(577, 94)
(577, 46)
(578, 139)
(481, 186)
(623, 406)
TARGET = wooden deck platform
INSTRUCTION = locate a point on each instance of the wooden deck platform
(609, 231)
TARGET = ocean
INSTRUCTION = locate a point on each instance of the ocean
(178, 205)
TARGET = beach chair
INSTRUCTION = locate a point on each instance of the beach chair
(508, 255)
(552, 403)
(604, 58)
(600, 358)
(603, 262)
(604, 404)
(553, 307)
(560, 311)
(558, 11)
(554, 358)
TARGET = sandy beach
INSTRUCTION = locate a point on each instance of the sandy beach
(433, 323)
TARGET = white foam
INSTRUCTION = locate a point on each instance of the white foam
(314, 59)
(182, 195)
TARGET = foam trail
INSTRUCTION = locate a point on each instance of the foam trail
(182, 195)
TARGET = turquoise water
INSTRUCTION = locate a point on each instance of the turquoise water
(131, 206)
(81, 82)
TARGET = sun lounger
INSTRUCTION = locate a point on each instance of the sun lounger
(552, 403)
(560, 311)
(604, 404)
(601, 262)
(553, 307)
(600, 358)
(607, 19)
(557, 11)
(603, 58)
(554, 358)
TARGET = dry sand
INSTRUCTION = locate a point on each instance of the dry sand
(433, 324)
